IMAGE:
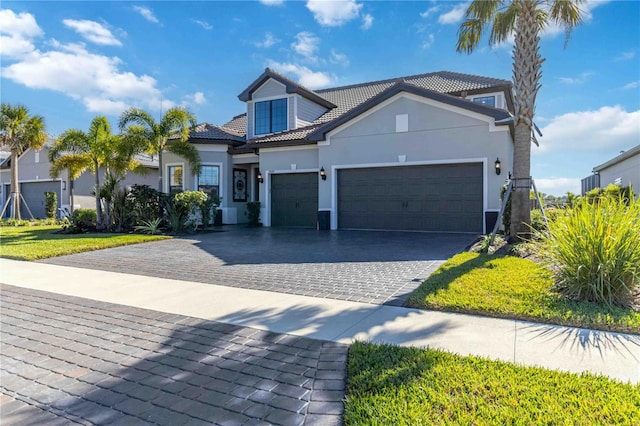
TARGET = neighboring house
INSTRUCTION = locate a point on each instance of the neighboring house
(35, 180)
(416, 153)
(622, 170)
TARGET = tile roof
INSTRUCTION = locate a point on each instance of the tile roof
(213, 133)
(350, 99)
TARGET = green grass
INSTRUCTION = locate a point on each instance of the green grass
(512, 287)
(39, 242)
(390, 385)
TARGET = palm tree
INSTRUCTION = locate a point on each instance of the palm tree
(525, 19)
(19, 131)
(169, 134)
(78, 152)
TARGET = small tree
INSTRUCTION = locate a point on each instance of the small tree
(51, 204)
(18, 132)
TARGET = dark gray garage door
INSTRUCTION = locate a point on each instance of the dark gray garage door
(294, 200)
(33, 194)
(441, 198)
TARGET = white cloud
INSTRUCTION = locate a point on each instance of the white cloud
(272, 2)
(146, 14)
(428, 42)
(17, 33)
(338, 58)
(632, 85)
(197, 98)
(268, 41)
(581, 79)
(455, 15)
(303, 75)
(559, 185)
(306, 45)
(204, 24)
(610, 127)
(626, 56)
(95, 80)
(334, 13)
(430, 11)
(553, 30)
(93, 32)
(367, 21)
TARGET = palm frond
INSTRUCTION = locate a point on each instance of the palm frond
(136, 116)
(477, 16)
(567, 14)
(75, 163)
(177, 121)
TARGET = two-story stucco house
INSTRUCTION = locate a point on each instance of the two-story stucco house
(418, 153)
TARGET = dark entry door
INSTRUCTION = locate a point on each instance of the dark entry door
(294, 200)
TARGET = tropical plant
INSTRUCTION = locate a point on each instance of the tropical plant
(51, 204)
(169, 134)
(594, 252)
(524, 19)
(19, 131)
(77, 152)
(253, 213)
(81, 221)
(151, 227)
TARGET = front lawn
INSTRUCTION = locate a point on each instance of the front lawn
(512, 287)
(39, 242)
(391, 385)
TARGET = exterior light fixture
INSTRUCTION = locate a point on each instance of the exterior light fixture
(64, 185)
(323, 175)
(498, 165)
(260, 178)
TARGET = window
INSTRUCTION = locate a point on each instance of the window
(271, 116)
(175, 179)
(486, 100)
(209, 180)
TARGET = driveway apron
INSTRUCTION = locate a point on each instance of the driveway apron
(68, 360)
(362, 266)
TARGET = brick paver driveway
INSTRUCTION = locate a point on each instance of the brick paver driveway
(66, 360)
(371, 267)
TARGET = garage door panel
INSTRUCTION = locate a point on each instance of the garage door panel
(294, 200)
(33, 195)
(426, 198)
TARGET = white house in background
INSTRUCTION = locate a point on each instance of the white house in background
(419, 153)
(35, 180)
(622, 170)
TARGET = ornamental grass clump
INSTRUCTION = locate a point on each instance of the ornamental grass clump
(594, 253)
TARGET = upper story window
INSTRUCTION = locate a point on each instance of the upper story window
(486, 100)
(271, 116)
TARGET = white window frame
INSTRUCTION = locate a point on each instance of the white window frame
(220, 177)
(167, 181)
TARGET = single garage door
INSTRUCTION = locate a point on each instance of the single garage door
(33, 194)
(439, 198)
(294, 200)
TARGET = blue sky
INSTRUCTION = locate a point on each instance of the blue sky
(70, 61)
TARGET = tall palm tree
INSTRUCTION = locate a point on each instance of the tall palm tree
(78, 152)
(169, 134)
(525, 19)
(19, 131)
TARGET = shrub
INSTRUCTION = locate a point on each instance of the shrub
(51, 204)
(537, 220)
(253, 212)
(506, 216)
(594, 253)
(209, 209)
(143, 203)
(82, 220)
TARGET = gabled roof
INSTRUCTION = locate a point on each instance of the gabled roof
(349, 101)
(619, 158)
(290, 85)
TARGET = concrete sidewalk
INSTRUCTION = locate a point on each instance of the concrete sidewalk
(563, 348)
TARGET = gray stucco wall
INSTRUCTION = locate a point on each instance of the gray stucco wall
(628, 171)
(435, 135)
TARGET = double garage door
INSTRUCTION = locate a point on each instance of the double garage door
(33, 194)
(439, 198)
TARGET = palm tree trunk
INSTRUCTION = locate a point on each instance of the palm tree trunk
(98, 203)
(160, 170)
(15, 187)
(527, 64)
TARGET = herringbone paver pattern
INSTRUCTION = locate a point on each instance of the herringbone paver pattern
(360, 266)
(67, 360)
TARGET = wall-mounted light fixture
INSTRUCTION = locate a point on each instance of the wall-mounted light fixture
(323, 175)
(498, 165)
(260, 178)
(64, 185)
